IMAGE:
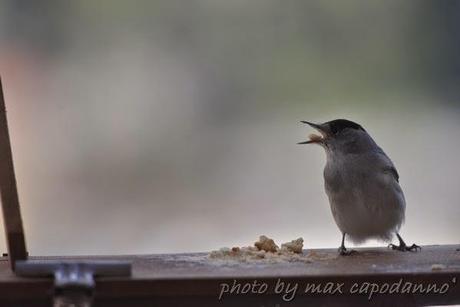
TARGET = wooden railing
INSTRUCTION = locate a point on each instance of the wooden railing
(373, 276)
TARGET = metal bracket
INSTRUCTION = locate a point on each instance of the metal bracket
(9, 194)
(73, 280)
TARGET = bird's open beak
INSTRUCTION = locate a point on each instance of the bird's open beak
(315, 139)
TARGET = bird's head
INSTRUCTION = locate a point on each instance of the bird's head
(335, 133)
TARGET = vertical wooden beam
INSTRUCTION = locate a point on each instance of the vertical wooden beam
(9, 193)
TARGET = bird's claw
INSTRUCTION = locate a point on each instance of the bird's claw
(345, 252)
(405, 248)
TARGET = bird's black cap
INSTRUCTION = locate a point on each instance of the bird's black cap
(338, 125)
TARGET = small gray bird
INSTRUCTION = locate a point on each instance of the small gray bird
(361, 183)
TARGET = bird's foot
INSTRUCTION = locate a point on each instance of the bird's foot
(405, 248)
(346, 252)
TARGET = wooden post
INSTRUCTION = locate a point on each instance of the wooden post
(9, 193)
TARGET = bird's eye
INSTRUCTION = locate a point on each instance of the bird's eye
(334, 129)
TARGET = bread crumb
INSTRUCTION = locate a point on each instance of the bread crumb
(266, 244)
(437, 267)
(314, 137)
(265, 250)
(295, 246)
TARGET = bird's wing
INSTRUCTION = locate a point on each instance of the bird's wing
(392, 170)
(388, 166)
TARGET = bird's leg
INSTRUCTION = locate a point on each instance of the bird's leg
(403, 247)
(343, 251)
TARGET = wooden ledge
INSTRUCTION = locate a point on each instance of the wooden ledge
(171, 277)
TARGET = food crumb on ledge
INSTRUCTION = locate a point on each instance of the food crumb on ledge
(266, 250)
(437, 267)
(294, 246)
(266, 244)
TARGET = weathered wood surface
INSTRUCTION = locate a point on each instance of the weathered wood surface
(193, 279)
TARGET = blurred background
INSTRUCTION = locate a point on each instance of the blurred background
(171, 126)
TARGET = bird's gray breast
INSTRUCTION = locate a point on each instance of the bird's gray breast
(366, 199)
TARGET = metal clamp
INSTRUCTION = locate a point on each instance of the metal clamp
(73, 280)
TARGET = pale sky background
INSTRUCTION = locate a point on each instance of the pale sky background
(171, 126)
